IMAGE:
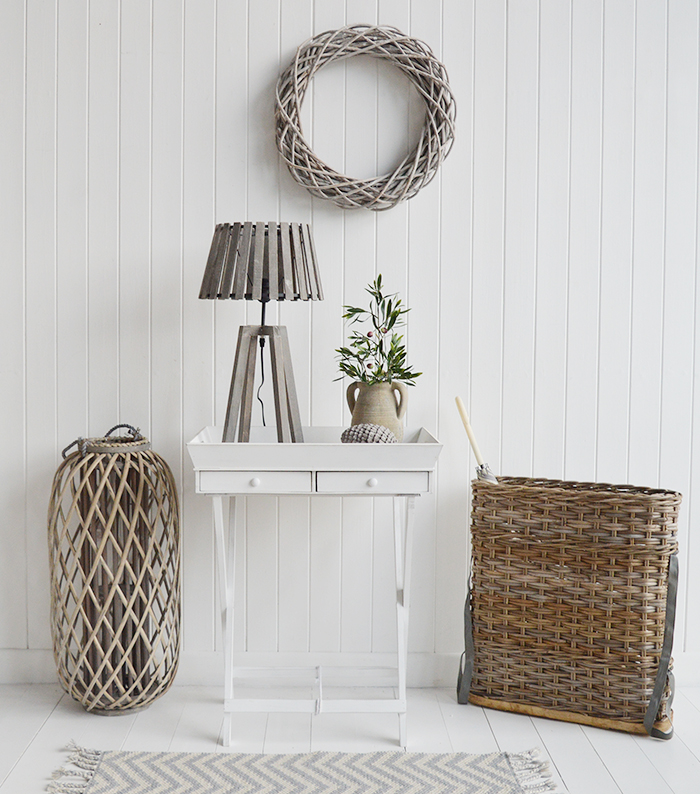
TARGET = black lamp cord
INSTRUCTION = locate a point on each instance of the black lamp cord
(262, 365)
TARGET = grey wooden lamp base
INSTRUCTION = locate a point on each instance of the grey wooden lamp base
(240, 398)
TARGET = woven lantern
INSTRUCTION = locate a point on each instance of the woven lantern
(114, 555)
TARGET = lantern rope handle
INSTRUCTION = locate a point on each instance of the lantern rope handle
(135, 431)
(82, 442)
(82, 446)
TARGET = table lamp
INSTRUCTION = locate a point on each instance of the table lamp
(262, 261)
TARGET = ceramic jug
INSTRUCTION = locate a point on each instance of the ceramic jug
(378, 404)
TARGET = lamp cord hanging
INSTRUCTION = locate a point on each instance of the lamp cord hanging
(262, 365)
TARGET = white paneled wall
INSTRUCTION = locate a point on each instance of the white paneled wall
(550, 268)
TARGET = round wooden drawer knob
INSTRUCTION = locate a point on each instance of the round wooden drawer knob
(255, 482)
(373, 482)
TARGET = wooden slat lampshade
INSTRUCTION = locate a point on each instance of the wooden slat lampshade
(262, 261)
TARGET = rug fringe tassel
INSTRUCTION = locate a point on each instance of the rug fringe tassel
(85, 760)
(532, 773)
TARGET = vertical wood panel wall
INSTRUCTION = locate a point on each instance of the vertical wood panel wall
(550, 268)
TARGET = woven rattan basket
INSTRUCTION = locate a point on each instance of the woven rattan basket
(572, 601)
(114, 554)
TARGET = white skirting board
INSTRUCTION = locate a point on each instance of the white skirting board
(207, 669)
(424, 669)
(22, 666)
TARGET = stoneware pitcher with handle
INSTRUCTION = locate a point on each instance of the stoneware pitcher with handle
(378, 404)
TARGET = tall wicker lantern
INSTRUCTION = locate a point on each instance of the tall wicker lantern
(114, 554)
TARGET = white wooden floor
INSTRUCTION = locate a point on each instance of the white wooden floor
(36, 722)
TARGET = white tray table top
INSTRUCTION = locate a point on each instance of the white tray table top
(322, 450)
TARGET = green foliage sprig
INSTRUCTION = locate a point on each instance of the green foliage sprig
(377, 355)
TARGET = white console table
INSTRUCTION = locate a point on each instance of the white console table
(319, 466)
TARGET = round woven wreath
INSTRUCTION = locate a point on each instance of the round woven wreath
(427, 74)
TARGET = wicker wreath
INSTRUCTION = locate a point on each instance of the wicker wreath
(417, 62)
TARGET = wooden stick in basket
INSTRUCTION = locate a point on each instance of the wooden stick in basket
(483, 472)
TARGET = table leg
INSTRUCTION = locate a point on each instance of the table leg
(226, 556)
(403, 548)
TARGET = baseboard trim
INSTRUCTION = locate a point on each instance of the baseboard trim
(686, 669)
(207, 669)
(424, 669)
(23, 666)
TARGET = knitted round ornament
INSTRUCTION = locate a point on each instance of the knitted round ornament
(368, 434)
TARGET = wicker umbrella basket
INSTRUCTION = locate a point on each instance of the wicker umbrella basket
(114, 554)
(573, 601)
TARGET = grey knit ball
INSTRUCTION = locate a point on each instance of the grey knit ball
(368, 434)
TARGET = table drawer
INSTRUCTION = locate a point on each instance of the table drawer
(241, 482)
(372, 482)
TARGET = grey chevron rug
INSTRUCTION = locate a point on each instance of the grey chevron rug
(95, 772)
